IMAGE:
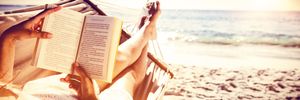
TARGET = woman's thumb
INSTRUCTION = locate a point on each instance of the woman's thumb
(44, 35)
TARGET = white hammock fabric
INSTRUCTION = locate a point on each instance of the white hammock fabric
(158, 73)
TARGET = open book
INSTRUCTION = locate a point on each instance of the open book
(91, 40)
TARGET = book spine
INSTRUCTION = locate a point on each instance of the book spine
(80, 38)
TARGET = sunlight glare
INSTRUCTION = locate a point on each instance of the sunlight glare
(265, 5)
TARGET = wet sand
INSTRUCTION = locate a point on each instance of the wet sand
(230, 56)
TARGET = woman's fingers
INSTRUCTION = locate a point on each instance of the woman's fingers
(75, 84)
(81, 72)
(70, 77)
(33, 25)
(74, 65)
(86, 81)
(82, 83)
(45, 13)
(40, 34)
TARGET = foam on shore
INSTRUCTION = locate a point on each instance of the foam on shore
(228, 56)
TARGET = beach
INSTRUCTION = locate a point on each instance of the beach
(231, 54)
(232, 72)
(196, 82)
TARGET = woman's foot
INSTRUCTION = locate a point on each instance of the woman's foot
(148, 25)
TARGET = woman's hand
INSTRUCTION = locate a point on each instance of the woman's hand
(30, 28)
(82, 84)
(27, 29)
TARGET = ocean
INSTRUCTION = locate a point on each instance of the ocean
(230, 39)
(231, 27)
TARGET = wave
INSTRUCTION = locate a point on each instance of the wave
(231, 27)
(284, 40)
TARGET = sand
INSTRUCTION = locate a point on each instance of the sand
(195, 82)
(207, 71)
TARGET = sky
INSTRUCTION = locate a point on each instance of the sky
(257, 5)
(261, 5)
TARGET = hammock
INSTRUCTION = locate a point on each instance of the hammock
(158, 73)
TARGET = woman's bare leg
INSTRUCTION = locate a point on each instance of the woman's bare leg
(130, 50)
(128, 53)
(133, 76)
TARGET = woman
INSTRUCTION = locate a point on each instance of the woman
(132, 52)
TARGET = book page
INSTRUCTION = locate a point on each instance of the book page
(95, 45)
(59, 52)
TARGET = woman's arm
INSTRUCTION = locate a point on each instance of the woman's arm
(7, 53)
(24, 30)
(122, 88)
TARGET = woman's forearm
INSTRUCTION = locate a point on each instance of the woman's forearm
(7, 53)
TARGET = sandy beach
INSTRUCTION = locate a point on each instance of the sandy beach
(231, 55)
(196, 82)
(232, 72)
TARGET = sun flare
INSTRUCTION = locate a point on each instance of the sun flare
(257, 5)
(268, 4)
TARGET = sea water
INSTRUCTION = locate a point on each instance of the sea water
(231, 39)
(231, 27)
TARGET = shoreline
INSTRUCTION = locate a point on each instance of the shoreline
(229, 56)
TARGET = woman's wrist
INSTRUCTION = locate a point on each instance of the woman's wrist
(7, 42)
(7, 38)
